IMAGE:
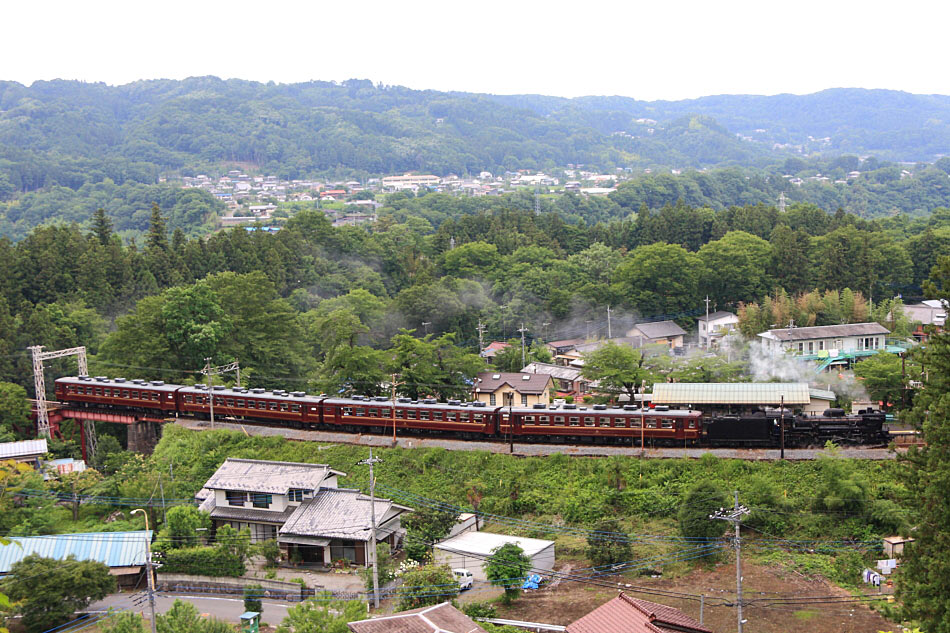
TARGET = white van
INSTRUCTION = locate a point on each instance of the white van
(464, 578)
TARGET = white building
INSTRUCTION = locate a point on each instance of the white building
(851, 337)
(716, 325)
(471, 550)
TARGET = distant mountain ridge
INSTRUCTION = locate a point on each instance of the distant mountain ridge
(890, 124)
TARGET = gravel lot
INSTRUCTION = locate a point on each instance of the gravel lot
(527, 450)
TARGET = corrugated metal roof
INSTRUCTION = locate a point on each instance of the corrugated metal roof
(822, 394)
(12, 450)
(696, 393)
(115, 549)
(825, 331)
(482, 543)
(659, 329)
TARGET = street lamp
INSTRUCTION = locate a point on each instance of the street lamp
(148, 567)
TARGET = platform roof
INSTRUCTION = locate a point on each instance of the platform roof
(751, 393)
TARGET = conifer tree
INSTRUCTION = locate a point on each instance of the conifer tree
(101, 226)
(924, 581)
(157, 230)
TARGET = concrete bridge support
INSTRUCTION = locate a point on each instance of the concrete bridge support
(143, 437)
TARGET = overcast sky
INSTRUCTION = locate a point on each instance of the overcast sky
(647, 50)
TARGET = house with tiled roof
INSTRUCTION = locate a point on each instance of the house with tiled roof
(624, 614)
(336, 524)
(300, 506)
(261, 495)
(512, 389)
(848, 337)
(658, 333)
(440, 618)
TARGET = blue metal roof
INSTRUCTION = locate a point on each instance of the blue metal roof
(115, 549)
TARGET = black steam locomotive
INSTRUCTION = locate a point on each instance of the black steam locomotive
(765, 428)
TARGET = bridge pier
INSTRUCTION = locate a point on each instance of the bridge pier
(142, 437)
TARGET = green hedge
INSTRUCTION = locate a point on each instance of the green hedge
(202, 561)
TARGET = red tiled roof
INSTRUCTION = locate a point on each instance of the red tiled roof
(624, 614)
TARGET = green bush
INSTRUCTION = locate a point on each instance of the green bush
(479, 610)
(252, 598)
(203, 561)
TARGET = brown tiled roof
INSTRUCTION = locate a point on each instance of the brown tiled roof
(441, 618)
(522, 383)
(624, 614)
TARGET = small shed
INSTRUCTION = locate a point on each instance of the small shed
(123, 553)
(894, 545)
(471, 550)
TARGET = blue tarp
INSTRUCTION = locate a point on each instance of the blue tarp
(533, 582)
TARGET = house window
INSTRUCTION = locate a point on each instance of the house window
(261, 500)
(491, 399)
(524, 399)
(235, 497)
(811, 347)
(296, 494)
(801, 348)
(821, 345)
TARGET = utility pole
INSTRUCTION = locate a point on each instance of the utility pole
(481, 333)
(782, 414)
(734, 516)
(210, 371)
(707, 322)
(208, 375)
(148, 568)
(522, 330)
(393, 384)
(372, 514)
(608, 323)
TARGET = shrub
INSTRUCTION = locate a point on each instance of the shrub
(252, 598)
(604, 549)
(203, 561)
(479, 610)
(427, 585)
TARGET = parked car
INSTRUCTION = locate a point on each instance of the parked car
(464, 578)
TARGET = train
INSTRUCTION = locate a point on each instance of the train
(555, 423)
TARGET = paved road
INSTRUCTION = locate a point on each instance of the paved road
(228, 609)
(528, 450)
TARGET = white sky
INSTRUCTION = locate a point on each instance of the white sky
(647, 50)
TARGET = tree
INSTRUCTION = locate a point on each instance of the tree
(924, 582)
(269, 550)
(252, 598)
(157, 230)
(14, 411)
(74, 484)
(509, 358)
(102, 227)
(185, 527)
(703, 499)
(606, 544)
(735, 268)
(123, 622)
(322, 614)
(194, 323)
(426, 525)
(47, 592)
(507, 567)
(882, 376)
(620, 368)
(436, 367)
(384, 565)
(659, 279)
(417, 587)
(183, 617)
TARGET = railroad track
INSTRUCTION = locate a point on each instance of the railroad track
(522, 449)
